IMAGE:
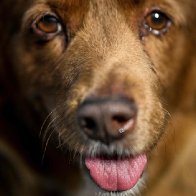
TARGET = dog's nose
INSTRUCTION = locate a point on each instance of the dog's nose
(107, 119)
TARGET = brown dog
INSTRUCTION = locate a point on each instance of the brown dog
(111, 75)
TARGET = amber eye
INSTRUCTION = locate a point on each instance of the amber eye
(157, 22)
(47, 27)
(48, 24)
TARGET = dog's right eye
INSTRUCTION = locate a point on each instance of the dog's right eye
(156, 22)
(46, 27)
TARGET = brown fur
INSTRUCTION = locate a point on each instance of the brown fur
(106, 56)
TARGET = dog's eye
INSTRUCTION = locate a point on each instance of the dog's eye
(46, 27)
(157, 22)
(48, 24)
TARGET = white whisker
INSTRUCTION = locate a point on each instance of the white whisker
(43, 124)
(46, 144)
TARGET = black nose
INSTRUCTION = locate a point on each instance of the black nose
(107, 119)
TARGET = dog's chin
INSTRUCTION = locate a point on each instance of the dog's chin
(137, 189)
(115, 176)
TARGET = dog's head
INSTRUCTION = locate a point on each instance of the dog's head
(104, 69)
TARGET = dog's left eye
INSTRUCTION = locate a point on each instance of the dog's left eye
(47, 26)
(157, 22)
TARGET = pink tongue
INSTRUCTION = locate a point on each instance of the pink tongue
(116, 175)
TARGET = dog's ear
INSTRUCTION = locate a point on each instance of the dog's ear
(188, 88)
(11, 13)
(187, 80)
(10, 17)
(188, 93)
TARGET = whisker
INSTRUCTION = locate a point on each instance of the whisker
(43, 124)
(48, 128)
(46, 145)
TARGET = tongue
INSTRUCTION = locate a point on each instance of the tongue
(116, 175)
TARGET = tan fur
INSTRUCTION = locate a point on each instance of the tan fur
(106, 56)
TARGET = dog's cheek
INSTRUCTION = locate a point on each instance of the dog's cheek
(37, 64)
(170, 62)
(149, 127)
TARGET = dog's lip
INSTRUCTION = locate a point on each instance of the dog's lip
(116, 175)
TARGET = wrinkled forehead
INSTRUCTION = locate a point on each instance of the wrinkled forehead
(78, 4)
(75, 3)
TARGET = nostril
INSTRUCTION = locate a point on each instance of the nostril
(122, 119)
(88, 124)
(118, 121)
(122, 122)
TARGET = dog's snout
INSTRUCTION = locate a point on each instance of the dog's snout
(107, 119)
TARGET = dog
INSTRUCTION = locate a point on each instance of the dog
(113, 83)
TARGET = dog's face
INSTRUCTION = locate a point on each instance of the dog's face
(104, 69)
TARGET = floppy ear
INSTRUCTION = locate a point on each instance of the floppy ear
(188, 93)
(187, 87)
(10, 16)
(11, 12)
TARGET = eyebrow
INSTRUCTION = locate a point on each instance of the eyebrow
(131, 2)
(66, 2)
(136, 1)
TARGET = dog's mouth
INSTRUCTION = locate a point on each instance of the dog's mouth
(116, 175)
